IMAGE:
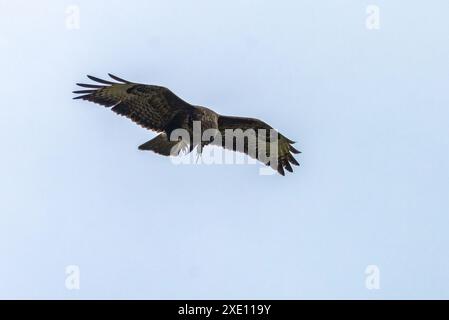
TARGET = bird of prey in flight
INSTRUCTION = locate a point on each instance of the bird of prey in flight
(159, 109)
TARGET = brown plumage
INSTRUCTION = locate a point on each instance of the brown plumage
(157, 108)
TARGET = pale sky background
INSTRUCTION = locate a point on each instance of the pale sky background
(369, 109)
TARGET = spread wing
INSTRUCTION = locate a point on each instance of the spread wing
(257, 141)
(150, 106)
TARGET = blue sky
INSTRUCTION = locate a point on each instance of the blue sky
(369, 109)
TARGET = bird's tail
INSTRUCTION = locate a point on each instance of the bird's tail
(163, 146)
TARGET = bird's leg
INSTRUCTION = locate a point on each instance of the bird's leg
(198, 153)
(197, 158)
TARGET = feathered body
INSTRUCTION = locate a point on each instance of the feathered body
(157, 108)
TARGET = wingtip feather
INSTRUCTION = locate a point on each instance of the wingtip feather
(99, 80)
(293, 150)
(93, 86)
(84, 97)
(293, 160)
(83, 91)
(117, 78)
(281, 170)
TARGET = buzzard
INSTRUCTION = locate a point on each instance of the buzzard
(159, 109)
